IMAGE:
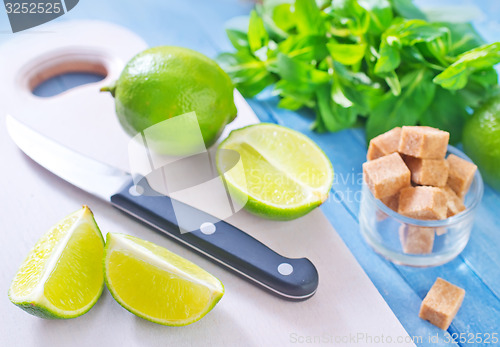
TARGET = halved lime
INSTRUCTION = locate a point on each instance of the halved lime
(62, 275)
(156, 284)
(284, 173)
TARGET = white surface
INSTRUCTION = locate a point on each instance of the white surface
(32, 199)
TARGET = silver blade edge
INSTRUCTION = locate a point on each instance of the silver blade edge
(88, 174)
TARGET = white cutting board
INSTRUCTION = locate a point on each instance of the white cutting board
(32, 199)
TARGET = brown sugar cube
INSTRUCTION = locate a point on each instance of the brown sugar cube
(423, 142)
(454, 203)
(428, 172)
(386, 176)
(384, 144)
(423, 202)
(391, 201)
(416, 240)
(441, 303)
(461, 174)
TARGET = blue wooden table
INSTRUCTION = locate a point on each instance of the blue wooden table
(199, 25)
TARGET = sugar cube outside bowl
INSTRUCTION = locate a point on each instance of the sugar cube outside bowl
(414, 242)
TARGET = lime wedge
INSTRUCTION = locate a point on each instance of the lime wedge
(62, 275)
(284, 173)
(156, 284)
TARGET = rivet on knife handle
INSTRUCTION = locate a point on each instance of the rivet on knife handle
(295, 279)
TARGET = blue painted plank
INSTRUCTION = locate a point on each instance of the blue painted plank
(480, 311)
(482, 254)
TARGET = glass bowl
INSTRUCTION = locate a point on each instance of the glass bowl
(386, 231)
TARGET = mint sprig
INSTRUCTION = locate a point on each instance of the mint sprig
(375, 62)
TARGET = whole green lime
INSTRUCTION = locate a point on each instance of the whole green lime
(164, 82)
(481, 140)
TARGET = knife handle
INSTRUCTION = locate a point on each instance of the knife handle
(295, 279)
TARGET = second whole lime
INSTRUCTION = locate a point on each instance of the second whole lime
(166, 81)
(481, 140)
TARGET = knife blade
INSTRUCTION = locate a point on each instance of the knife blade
(295, 279)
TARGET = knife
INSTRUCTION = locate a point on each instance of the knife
(294, 279)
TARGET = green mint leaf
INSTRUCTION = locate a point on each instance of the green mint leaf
(296, 71)
(475, 93)
(392, 81)
(446, 112)
(389, 56)
(358, 78)
(333, 116)
(380, 14)
(436, 50)
(338, 95)
(404, 109)
(457, 75)
(304, 47)
(347, 54)
(236, 30)
(290, 102)
(294, 96)
(238, 38)
(308, 18)
(257, 34)
(275, 32)
(268, 6)
(406, 9)
(413, 31)
(486, 78)
(283, 17)
(318, 124)
(278, 17)
(248, 74)
(408, 33)
(348, 18)
(358, 88)
(463, 37)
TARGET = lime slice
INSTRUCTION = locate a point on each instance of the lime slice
(284, 174)
(156, 284)
(62, 276)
